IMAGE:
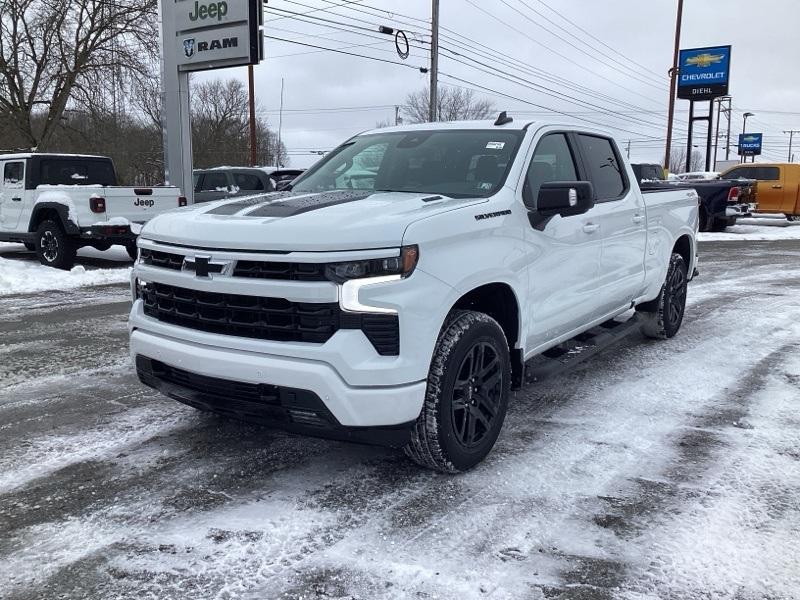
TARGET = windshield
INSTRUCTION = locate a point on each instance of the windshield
(456, 163)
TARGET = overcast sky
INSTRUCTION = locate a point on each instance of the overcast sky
(621, 69)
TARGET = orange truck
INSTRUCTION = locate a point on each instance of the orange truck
(778, 186)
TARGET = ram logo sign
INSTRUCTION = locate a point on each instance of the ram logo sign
(750, 144)
(188, 47)
(703, 73)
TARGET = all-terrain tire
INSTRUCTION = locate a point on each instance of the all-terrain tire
(467, 394)
(130, 247)
(662, 317)
(53, 247)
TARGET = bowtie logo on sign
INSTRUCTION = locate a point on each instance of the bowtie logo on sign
(704, 60)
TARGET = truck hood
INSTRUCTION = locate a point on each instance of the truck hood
(296, 221)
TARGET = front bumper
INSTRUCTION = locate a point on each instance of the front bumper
(349, 406)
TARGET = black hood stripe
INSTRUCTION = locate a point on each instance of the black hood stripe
(233, 207)
(303, 203)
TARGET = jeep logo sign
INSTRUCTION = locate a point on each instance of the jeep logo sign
(214, 10)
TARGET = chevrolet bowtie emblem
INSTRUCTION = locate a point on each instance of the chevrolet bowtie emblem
(202, 265)
(704, 60)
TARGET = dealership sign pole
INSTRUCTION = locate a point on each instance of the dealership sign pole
(703, 74)
(199, 35)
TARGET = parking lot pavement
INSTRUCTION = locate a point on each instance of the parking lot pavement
(656, 470)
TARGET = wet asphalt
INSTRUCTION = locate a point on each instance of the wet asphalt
(108, 490)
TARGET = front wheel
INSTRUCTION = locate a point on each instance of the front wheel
(792, 218)
(662, 317)
(467, 395)
(53, 247)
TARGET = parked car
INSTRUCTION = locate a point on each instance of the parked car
(778, 186)
(403, 314)
(226, 182)
(283, 178)
(57, 203)
(721, 202)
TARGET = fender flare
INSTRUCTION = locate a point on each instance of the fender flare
(62, 210)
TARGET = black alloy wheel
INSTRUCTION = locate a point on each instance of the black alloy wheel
(48, 242)
(476, 395)
(676, 298)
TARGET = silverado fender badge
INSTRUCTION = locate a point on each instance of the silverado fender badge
(492, 215)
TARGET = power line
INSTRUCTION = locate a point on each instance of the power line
(375, 58)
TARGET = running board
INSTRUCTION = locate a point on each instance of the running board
(574, 351)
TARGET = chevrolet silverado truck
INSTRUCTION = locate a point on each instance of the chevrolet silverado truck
(57, 203)
(484, 256)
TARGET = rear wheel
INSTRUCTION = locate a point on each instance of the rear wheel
(467, 395)
(662, 317)
(703, 219)
(718, 225)
(791, 218)
(53, 247)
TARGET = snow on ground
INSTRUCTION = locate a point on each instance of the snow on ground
(757, 228)
(21, 272)
(655, 470)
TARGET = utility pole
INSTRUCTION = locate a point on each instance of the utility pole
(791, 133)
(434, 92)
(716, 134)
(279, 149)
(397, 114)
(728, 138)
(672, 83)
(252, 103)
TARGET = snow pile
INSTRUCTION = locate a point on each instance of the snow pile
(26, 275)
(756, 229)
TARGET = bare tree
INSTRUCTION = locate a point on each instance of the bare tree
(220, 127)
(57, 52)
(454, 104)
(677, 160)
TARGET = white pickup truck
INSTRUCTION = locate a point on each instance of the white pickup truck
(56, 203)
(479, 256)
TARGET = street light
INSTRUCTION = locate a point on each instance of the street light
(744, 128)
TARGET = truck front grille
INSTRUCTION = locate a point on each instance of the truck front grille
(246, 316)
(165, 260)
(280, 270)
(262, 318)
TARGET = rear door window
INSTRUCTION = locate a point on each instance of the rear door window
(13, 175)
(604, 166)
(768, 173)
(248, 182)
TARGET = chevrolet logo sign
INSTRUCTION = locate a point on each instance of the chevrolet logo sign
(704, 60)
(203, 267)
(750, 139)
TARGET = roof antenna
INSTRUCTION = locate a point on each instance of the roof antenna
(503, 119)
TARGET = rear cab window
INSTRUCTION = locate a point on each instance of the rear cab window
(76, 171)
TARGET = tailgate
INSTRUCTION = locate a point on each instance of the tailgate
(139, 204)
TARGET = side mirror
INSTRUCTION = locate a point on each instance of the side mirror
(565, 198)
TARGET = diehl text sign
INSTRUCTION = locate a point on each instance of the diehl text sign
(703, 73)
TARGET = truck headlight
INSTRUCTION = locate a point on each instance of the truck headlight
(352, 276)
(402, 266)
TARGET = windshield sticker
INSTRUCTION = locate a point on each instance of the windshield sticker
(495, 145)
(486, 185)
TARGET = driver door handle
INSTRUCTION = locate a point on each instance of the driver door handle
(777, 187)
(590, 227)
(16, 199)
(638, 218)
